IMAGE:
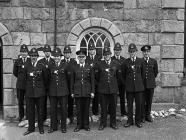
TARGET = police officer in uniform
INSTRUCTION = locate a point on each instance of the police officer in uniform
(58, 91)
(107, 88)
(19, 72)
(150, 73)
(46, 61)
(82, 89)
(121, 84)
(36, 78)
(93, 59)
(132, 74)
(69, 62)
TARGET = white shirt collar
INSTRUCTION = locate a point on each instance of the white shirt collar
(133, 58)
(108, 61)
(82, 64)
(117, 56)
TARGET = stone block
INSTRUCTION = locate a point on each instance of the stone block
(161, 38)
(173, 3)
(172, 26)
(9, 97)
(38, 38)
(62, 38)
(149, 3)
(148, 26)
(163, 95)
(172, 51)
(42, 13)
(133, 14)
(7, 51)
(169, 14)
(11, 25)
(49, 3)
(15, 3)
(105, 23)
(126, 26)
(27, 13)
(136, 38)
(7, 80)
(179, 38)
(72, 39)
(10, 112)
(64, 14)
(96, 21)
(48, 26)
(7, 40)
(21, 38)
(178, 65)
(155, 52)
(77, 29)
(129, 4)
(32, 3)
(114, 30)
(34, 25)
(171, 79)
(12, 13)
(65, 25)
(167, 65)
(7, 65)
(180, 14)
(86, 23)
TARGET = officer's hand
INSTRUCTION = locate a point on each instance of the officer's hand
(72, 95)
(92, 95)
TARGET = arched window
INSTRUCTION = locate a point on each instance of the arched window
(99, 37)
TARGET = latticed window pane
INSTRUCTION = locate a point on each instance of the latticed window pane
(96, 37)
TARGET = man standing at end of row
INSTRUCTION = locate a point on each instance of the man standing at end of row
(150, 73)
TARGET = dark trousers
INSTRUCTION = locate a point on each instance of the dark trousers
(70, 106)
(35, 104)
(122, 99)
(63, 100)
(147, 102)
(21, 97)
(82, 105)
(108, 102)
(131, 96)
(95, 103)
(45, 108)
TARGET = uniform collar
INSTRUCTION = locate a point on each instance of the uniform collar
(108, 62)
(117, 57)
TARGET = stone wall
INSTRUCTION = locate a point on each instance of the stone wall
(159, 23)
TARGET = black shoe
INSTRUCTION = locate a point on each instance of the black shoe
(87, 128)
(27, 132)
(143, 120)
(51, 130)
(41, 131)
(149, 119)
(77, 129)
(139, 125)
(101, 127)
(63, 130)
(114, 127)
(128, 124)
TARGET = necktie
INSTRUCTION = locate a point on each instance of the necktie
(23, 60)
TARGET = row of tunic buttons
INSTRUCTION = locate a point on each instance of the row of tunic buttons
(146, 72)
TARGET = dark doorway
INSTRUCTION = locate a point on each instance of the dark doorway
(1, 72)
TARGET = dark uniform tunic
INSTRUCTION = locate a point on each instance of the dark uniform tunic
(107, 88)
(132, 73)
(36, 77)
(150, 73)
(58, 92)
(121, 85)
(19, 72)
(46, 62)
(93, 62)
(69, 67)
(82, 87)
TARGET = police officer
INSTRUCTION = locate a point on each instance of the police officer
(18, 71)
(36, 78)
(46, 61)
(69, 62)
(93, 59)
(132, 74)
(82, 89)
(150, 73)
(107, 88)
(58, 91)
(121, 84)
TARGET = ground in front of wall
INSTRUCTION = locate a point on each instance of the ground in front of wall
(169, 128)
